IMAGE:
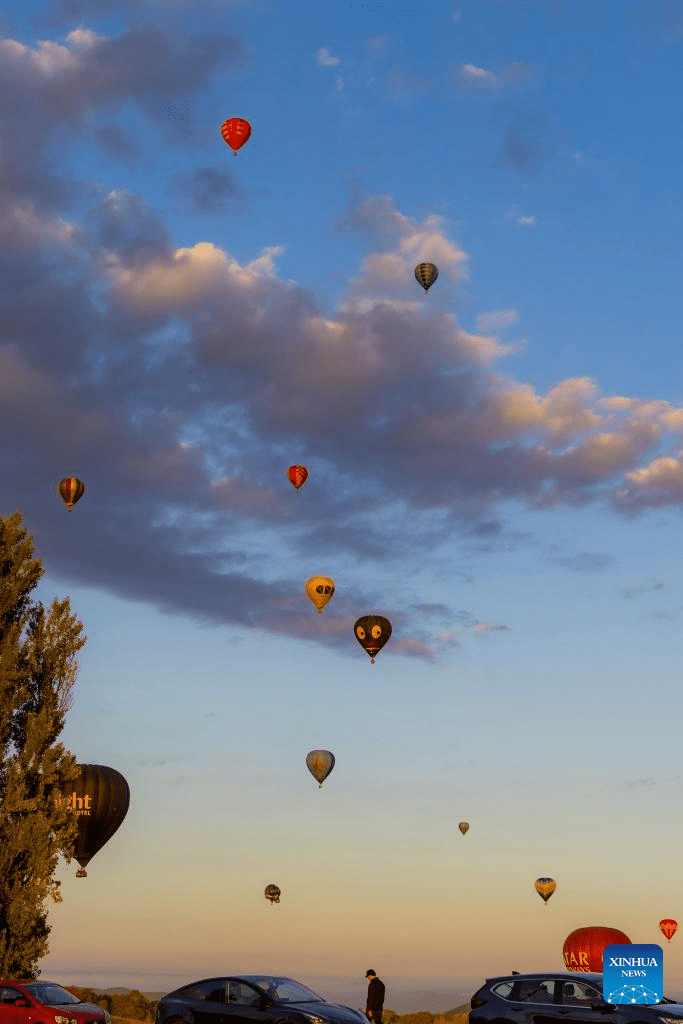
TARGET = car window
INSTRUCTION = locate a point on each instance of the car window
(503, 989)
(52, 995)
(535, 990)
(578, 993)
(212, 991)
(8, 995)
(242, 994)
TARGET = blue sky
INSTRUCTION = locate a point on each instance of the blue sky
(496, 466)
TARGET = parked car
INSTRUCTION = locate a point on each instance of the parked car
(43, 1002)
(251, 999)
(563, 997)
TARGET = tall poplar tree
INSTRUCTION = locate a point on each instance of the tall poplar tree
(37, 673)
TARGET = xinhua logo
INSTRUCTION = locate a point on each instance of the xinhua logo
(633, 973)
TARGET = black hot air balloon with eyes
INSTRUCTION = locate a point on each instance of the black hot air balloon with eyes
(100, 797)
(372, 632)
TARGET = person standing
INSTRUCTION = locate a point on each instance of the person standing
(375, 1003)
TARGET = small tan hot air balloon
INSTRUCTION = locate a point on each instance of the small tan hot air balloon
(463, 826)
(320, 589)
(545, 887)
(71, 489)
(272, 893)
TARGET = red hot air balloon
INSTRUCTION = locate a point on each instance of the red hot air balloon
(100, 797)
(583, 949)
(71, 489)
(297, 476)
(668, 927)
(235, 132)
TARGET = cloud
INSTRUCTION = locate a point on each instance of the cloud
(525, 220)
(325, 58)
(456, 17)
(584, 562)
(484, 628)
(643, 588)
(471, 76)
(208, 189)
(180, 381)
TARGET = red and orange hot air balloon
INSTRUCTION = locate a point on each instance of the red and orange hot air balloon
(235, 132)
(668, 927)
(71, 489)
(583, 949)
(297, 476)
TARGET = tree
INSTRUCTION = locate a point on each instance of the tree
(38, 670)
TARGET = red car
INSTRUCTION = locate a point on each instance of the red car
(43, 1002)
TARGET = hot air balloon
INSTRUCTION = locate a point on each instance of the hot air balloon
(71, 489)
(372, 632)
(235, 132)
(583, 949)
(320, 589)
(464, 826)
(545, 887)
(272, 893)
(100, 798)
(668, 927)
(297, 475)
(320, 763)
(426, 274)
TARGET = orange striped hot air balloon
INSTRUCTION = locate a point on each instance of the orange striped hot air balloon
(297, 475)
(668, 927)
(71, 489)
(235, 132)
(545, 887)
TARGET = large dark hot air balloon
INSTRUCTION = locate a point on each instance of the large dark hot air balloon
(100, 798)
(545, 887)
(71, 489)
(426, 274)
(372, 632)
(272, 893)
(668, 927)
(583, 949)
(320, 763)
(297, 475)
(235, 132)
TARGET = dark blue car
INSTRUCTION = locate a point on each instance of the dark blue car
(251, 999)
(561, 998)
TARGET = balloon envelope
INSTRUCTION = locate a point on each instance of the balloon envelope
(320, 589)
(426, 274)
(545, 887)
(71, 489)
(584, 947)
(100, 797)
(464, 826)
(272, 893)
(297, 476)
(320, 764)
(372, 632)
(668, 927)
(235, 132)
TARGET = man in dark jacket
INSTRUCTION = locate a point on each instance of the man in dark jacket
(375, 1004)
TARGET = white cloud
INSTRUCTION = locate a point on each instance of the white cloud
(501, 318)
(325, 58)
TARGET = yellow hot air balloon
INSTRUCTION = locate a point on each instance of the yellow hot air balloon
(320, 590)
(426, 274)
(464, 826)
(545, 887)
(71, 489)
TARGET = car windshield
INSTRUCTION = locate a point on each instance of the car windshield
(51, 995)
(284, 990)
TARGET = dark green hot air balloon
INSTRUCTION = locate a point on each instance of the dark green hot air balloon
(100, 797)
(426, 274)
(372, 632)
(320, 764)
(272, 893)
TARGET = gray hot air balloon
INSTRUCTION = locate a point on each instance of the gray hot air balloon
(320, 763)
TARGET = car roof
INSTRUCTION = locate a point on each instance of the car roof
(569, 975)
